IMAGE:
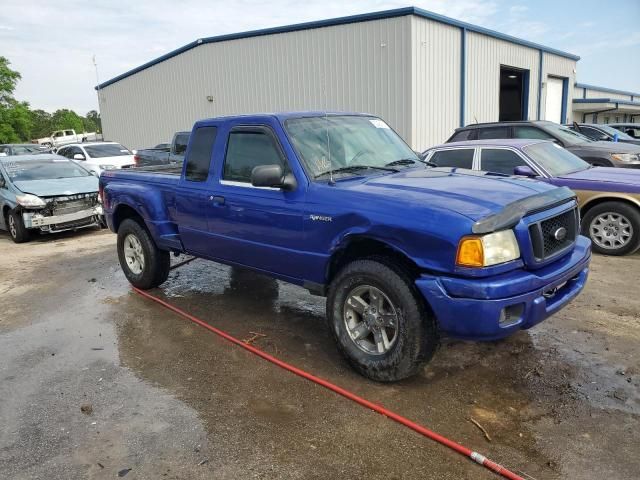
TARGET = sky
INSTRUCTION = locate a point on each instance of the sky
(52, 44)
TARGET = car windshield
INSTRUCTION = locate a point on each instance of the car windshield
(555, 159)
(348, 145)
(612, 131)
(26, 149)
(20, 171)
(565, 134)
(106, 150)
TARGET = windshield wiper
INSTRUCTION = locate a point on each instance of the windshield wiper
(355, 168)
(402, 161)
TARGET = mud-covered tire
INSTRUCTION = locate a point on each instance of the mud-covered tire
(417, 335)
(620, 214)
(15, 225)
(154, 269)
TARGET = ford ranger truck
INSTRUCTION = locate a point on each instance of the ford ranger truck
(341, 205)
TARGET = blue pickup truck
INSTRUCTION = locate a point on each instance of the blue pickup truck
(341, 205)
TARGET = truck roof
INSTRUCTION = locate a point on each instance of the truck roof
(287, 115)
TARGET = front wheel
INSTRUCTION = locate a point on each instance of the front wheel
(19, 233)
(143, 263)
(613, 227)
(379, 322)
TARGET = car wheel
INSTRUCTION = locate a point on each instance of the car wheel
(613, 227)
(18, 232)
(379, 322)
(143, 263)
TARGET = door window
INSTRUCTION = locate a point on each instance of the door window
(494, 132)
(531, 132)
(500, 160)
(199, 159)
(592, 133)
(458, 158)
(248, 149)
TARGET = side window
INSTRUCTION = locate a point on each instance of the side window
(68, 132)
(463, 135)
(592, 133)
(248, 149)
(459, 158)
(199, 159)
(493, 132)
(181, 143)
(531, 132)
(58, 134)
(500, 160)
(63, 151)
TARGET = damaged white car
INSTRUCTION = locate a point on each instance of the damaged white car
(48, 193)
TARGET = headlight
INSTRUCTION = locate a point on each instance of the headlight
(486, 250)
(107, 167)
(30, 201)
(625, 157)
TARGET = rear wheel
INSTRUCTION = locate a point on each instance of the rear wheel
(19, 233)
(613, 227)
(143, 263)
(379, 322)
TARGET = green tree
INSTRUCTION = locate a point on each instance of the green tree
(93, 122)
(64, 119)
(15, 120)
(41, 124)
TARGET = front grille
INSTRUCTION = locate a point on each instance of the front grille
(72, 204)
(553, 235)
(83, 222)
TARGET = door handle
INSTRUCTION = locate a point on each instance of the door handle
(217, 199)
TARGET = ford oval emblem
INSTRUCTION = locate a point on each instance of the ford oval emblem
(560, 234)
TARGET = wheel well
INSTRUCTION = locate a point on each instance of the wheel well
(5, 211)
(122, 213)
(363, 247)
(598, 201)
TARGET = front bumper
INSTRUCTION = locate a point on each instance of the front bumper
(492, 308)
(38, 220)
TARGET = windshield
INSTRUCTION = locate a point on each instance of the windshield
(25, 170)
(108, 150)
(353, 144)
(26, 149)
(612, 131)
(565, 133)
(555, 159)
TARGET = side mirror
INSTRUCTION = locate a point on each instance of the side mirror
(272, 176)
(78, 156)
(524, 171)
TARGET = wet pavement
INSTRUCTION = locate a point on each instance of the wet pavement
(169, 399)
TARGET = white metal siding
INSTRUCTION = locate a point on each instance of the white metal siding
(435, 73)
(485, 55)
(356, 67)
(600, 94)
(556, 66)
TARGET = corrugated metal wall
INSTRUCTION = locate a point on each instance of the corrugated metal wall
(485, 55)
(356, 67)
(556, 66)
(435, 73)
(600, 94)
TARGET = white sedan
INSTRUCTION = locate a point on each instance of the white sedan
(98, 157)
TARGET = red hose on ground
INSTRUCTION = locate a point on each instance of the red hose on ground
(475, 456)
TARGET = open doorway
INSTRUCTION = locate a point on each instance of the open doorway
(513, 94)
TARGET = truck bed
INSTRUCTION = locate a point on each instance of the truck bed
(169, 169)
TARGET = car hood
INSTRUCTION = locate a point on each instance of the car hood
(59, 186)
(117, 161)
(470, 193)
(606, 147)
(605, 177)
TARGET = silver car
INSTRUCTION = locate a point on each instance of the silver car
(48, 193)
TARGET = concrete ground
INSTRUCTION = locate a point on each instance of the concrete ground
(164, 398)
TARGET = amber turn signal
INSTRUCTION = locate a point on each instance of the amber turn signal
(470, 252)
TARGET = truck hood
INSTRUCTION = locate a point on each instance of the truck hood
(470, 193)
(59, 186)
(602, 178)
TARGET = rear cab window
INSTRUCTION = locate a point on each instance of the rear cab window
(198, 162)
(456, 157)
(247, 148)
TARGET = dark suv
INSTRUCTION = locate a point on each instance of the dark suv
(601, 154)
(604, 133)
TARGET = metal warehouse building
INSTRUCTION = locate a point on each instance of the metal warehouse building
(424, 73)
(605, 105)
